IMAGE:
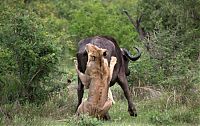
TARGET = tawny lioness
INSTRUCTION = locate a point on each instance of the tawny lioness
(97, 77)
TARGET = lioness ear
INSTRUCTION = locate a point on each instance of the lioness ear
(87, 47)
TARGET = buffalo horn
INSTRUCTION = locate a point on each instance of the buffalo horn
(133, 58)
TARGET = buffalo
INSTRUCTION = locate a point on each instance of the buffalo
(120, 72)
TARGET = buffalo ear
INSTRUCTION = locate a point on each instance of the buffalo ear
(85, 53)
(124, 55)
(104, 52)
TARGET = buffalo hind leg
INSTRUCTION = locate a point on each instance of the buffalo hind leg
(124, 85)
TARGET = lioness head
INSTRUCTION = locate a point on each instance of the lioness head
(95, 54)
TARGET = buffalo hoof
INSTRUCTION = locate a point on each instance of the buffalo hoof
(106, 117)
(133, 113)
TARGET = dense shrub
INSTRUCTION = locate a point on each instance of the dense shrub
(28, 55)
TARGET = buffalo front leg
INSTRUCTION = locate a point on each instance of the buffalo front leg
(80, 91)
(124, 85)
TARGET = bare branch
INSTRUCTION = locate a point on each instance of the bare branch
(129, 17)
(137, 25)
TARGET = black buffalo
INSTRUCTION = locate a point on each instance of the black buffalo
(120, 71)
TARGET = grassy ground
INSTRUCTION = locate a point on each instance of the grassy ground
(60, 111)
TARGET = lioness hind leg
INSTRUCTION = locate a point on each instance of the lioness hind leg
(82, 109)
(105, 108)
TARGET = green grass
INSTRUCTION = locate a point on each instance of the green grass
(118, 113)
(147, 115)
(60, 110)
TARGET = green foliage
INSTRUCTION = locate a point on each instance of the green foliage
(59, 106)
(167, 63)
(145, 72)
(28, 55)
(171, 59)
(101, 18)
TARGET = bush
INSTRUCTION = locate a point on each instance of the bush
(28, 55)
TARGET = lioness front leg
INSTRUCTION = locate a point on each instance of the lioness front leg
(85, 79)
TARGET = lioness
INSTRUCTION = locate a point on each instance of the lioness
(97, 77)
